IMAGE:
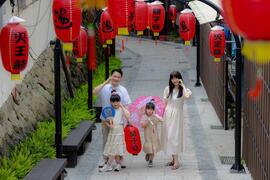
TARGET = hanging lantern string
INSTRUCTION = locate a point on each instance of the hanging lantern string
(12, 4)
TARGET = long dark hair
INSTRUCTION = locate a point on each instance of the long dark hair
(175, 74)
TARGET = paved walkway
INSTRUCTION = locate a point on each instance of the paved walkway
(146, 72)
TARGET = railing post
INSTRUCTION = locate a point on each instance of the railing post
(57, 86)
(198, 36)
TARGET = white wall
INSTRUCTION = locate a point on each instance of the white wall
(38, 18)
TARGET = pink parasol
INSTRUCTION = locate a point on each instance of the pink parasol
(137, 108)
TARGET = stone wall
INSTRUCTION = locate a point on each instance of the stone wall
(33, 99)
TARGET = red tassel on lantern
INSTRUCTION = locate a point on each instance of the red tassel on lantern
(67, 21)
(217, 42)
(256, 92)
(106, 28)
(157, 17)
(172, 13)
(14, 47)
(133, 140)
(92, 62)
(249, 18)
(187, 25)
(80, 45)
(141, 17)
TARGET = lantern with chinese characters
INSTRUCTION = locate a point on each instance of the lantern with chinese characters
(217, 42)
(106, 27)
(157, 17)
(141, 17)
(14, 47)
(172, 13)
(133, 140)
(67, 21)
(80, 45)
(131, 14)
(250, 19)
(119, 12)
(92, 62)
(187, 25)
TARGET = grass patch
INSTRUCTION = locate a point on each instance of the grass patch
(40, 144)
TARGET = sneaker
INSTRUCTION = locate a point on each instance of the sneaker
(122, 163)
(147, 157)
(102, 163)
(105, 168)
(150, 163)
(117, 167)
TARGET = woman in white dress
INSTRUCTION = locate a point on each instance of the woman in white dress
(172, 128)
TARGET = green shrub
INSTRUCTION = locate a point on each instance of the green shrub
(39, 144)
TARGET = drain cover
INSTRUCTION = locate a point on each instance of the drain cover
(216, 127)
(226, 160)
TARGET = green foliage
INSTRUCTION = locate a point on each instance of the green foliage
(39, 144)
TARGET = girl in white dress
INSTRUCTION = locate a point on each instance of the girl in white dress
(172, 128)
(115, 145)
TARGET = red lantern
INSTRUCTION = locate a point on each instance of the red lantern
(14, 47)
(92, 62)
(101, 38)
(106, 28)
(80, 45)
(217, 42)
(148, 15)
(249, 18)
(172, 13)
(67, 21)
(141, 17)
(131, 14)
(119, 12)
(187, 25)
(133, 140)
(157, 17)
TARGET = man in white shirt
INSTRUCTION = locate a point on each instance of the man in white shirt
(104, 92)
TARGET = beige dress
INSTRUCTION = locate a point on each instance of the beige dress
(151, 143)
(115, 144)
(172, 135)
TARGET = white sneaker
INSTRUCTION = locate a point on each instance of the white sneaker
(102, 163)
(117, 167)
(106, 168)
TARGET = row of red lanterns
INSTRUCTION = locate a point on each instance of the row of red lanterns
(67, 18)
(67, 24)
(126, 13)
(187, 28)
